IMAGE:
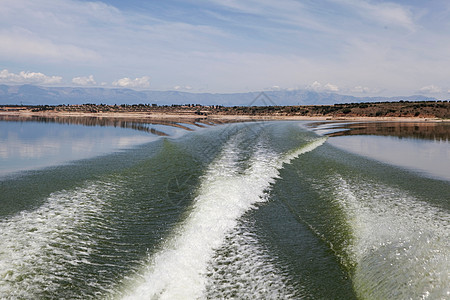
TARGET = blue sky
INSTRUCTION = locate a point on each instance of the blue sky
(356, 47)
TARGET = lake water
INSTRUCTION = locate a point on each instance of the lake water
(34, 145)
(262, 210)
(420, 147)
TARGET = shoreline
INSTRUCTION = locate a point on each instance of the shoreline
(432, 128)
(214, 118)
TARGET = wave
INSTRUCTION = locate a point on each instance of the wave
(180, 268)
(157, 228)
(243, 269)
(399, 246)
(39, 247)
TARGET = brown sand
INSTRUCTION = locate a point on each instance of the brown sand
(190, 118)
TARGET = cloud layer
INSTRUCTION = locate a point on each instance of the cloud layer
(84, 80)
(431, 89)
(353, 46)
(139, 83)
(28, 77)
(318, 87)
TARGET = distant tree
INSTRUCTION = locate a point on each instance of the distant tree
(346, 110)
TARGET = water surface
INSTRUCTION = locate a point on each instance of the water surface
(419, 146)
(35, 145)
(263, 210)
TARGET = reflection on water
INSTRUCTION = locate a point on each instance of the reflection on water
(34, 145)
(429, 157)
(141, 124)
(439, 131)
(32, 142)
(420, 146)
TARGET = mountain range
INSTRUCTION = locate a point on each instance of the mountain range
(40, 95)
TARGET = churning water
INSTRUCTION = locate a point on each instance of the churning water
(238, 211)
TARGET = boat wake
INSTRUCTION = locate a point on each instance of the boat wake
(40, 247)
(399, 245)
(185, 266)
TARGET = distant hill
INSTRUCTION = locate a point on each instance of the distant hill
(39, 95)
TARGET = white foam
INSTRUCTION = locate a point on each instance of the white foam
(37, 246)
(400, 245)
(243, 269)
(179, 270)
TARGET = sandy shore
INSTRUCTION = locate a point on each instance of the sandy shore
(214, 118)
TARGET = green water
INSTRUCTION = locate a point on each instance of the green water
(265, 210)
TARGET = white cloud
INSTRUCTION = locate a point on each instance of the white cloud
(386, 13)
(360, 89)
(19, 44)
(28, 77)
(343, 42)
(84, 80)
(179, 87)
(318, 87)
(364, 90)
(431, 89)
(57, 32)
(286, 12)
(143, 82)
(331, 87)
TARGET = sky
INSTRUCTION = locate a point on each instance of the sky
(351, 47)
